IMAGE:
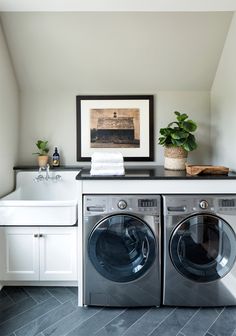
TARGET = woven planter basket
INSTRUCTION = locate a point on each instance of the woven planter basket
(175, 158)
(42, 160)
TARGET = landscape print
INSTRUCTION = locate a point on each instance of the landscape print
(115, 128)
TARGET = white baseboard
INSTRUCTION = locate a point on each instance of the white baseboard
(40, 283)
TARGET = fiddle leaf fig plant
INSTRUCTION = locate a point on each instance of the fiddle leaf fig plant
(42, 147)
(179, 133)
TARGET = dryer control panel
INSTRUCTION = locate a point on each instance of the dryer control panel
(103, 204)
(187, 204)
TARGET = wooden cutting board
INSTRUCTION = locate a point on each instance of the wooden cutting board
(204, 169)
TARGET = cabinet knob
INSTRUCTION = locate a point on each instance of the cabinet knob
(40, 235)
(36, 235)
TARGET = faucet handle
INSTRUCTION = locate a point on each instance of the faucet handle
(38, 178)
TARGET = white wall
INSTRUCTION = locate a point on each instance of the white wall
(8, 119)
(60, 55)
(171, 55)
(52, 115)
(223, 104)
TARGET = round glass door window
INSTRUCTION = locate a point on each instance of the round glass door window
(202, 248)
(122, 248)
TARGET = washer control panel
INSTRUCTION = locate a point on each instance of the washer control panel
(103, 204)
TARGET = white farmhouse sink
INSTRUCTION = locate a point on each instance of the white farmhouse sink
(48, 202)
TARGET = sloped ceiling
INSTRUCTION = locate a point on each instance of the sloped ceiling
(105, 52)
(121, 5)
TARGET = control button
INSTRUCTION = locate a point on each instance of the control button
(122, 204)
(203, 204)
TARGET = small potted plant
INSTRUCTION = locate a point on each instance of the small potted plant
(178, 140)
(42, 153)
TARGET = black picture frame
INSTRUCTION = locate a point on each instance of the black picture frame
(139, 108)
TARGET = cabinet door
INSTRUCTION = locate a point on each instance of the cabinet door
(58, 253)
(2, 254)
(21, 254)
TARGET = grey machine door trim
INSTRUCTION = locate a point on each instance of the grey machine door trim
(122, 247)
(202, 247)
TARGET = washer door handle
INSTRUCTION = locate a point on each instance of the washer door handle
(145, 248)
(181, 250)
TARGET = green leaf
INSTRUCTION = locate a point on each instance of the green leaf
(177, 113)
(180, 135)
(165, 131)
(178, 142)
(162, 140)
(189, 126)
(182, 117)
(38, 144)
(190, 143)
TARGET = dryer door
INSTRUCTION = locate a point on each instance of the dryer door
(122, 248)
(202, 247)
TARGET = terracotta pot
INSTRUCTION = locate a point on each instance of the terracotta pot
(175, 158)
(42, 160)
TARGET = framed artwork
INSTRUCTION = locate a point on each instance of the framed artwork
(115, 123)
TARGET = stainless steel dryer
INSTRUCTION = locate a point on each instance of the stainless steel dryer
(121, 250)
(199, 250)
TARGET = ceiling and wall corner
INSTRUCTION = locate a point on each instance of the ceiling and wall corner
(60, 55)
(9, 118)
(120, 6)
(223, 103)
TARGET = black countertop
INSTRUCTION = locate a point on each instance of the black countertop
(152, 173)
(135, 173)
(36, 168)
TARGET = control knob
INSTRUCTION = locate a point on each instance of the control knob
(203, 204)
(122, 204)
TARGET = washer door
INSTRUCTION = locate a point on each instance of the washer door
(122, 248)
(202, 248)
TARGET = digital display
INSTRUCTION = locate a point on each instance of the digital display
(225, 203)
(147, 203)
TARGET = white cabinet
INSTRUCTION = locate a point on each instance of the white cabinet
(44, 253)
(1, 254)
(58, 253)
(21, 254)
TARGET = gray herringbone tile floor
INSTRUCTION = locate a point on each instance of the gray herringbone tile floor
(53, 311)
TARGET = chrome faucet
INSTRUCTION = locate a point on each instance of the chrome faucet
(40, 176)
(47, 172)
(47, 177)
